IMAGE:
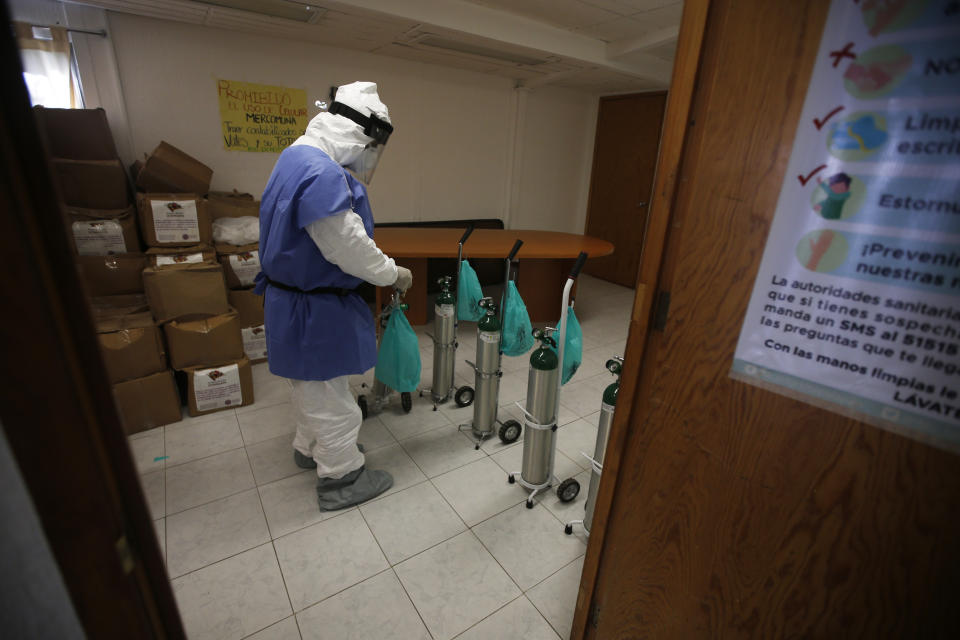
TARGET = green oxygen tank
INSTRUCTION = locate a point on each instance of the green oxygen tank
(607, 406)
(487, 370)
(444, 341)
(540, 432)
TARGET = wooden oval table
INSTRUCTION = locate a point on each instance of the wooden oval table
(545, 258)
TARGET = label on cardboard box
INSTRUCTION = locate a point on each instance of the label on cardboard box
(255, 342)
(218, 387)
(180, 258)
(98, 237)
(175, 220)
(246, 266)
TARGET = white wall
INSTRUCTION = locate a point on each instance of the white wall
(554, 175)
(450, 157)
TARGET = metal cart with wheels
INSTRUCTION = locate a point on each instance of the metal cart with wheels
(445, 340)
(540, 412)
(487, 371)
(614, 366)
(381, 393)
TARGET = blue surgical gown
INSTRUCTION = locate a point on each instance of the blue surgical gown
(311, 336)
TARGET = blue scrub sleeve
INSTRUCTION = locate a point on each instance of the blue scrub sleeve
(326, 193)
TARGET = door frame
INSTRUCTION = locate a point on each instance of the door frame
(57, 409)
(673, 140)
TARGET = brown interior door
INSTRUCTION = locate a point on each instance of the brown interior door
(731, 511)
(57, 409)
(624, 160)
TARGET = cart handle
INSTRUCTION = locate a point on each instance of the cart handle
(578, 265)
(516, 248)
(466, 234)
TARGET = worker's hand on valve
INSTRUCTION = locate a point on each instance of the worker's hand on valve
(404, 279)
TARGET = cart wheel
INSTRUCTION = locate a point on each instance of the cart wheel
(464, 396)
(362, 401)
(511, 479)
(568, 490)
(568, 529)
(509, 431)
(406, 402)
(529, 504)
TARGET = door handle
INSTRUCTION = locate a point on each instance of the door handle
(641, 204)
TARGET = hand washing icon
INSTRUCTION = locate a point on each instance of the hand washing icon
(857, 136)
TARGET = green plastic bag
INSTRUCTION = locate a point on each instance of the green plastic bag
(517, 331)
(572, 347)
(398, 360)
(468, 294)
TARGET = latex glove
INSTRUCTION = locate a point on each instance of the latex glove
(404, 279)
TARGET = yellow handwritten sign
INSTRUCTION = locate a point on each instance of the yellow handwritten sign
(259, 117)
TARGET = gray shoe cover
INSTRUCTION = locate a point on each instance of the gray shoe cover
(303, 461)
(355, 487)
(309, 463)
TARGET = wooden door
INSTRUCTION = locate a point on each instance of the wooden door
(624, 160)
(57, 408)
(726, 510)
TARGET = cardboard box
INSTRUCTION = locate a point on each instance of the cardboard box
(169, 169)
(233, 207)
(240, 264)
(103, 307)
(229, 195)
(112, 275)
(249, 306)
(225, 386)
(93, 184)
(135, 168)
(148, 402)
(131, 346)
(172, 256)
(204, 341)
(101, 232)
(185, 290)
(76, 134)
(174, 219)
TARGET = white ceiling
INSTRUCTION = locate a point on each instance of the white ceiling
(600, 46)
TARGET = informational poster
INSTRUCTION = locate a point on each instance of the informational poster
(255, 342)
(175, 220)
(179, 258)
(856, 307)
(99, 237)
(216, 388)
(245, 266)
(259, 117)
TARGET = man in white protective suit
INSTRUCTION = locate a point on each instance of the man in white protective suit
(316, 247)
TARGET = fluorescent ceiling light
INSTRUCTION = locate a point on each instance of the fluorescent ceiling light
(438, 42)
(298, 11)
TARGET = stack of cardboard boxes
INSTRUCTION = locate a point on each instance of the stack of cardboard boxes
(174, 290)
(241, 264)
(185, 284)
(102, 223)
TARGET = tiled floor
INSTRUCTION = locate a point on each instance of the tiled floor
(449, 552)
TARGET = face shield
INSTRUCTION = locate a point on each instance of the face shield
(374, 128)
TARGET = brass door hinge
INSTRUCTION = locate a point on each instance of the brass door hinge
(125, 554)
(660, 310)
(595, 616)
